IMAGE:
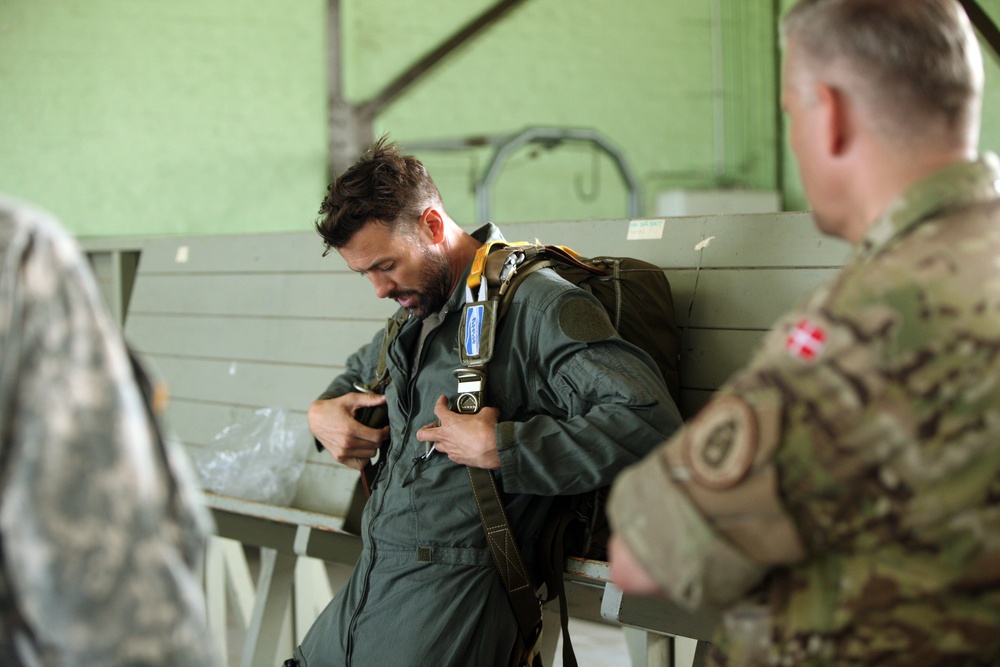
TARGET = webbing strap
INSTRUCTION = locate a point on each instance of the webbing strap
(555, 581)
(499, 536)
(392, 327)
(363, 489)
(522, 273)
(507, 557)
(478, 269)
(504, 266)
(496, 524)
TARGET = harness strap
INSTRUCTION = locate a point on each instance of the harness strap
(377, 386)
(555, 583)
(494, 262)
(507, 557)
(504, 266)
(363, 489)
(392, 328)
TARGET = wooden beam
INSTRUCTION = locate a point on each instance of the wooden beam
(350, 125)
(388, 94)
(984, 24)
(349, 129)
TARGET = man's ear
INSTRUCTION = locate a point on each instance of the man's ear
(434, 222)
(835, 120)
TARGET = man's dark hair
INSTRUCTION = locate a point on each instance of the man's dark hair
(384, 187)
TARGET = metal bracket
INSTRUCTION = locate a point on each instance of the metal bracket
(507, 144)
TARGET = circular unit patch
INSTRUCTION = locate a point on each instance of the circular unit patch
(720, 444)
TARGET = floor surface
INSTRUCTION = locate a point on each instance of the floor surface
(595, 645)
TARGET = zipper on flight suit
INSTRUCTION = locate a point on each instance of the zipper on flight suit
(384, 474)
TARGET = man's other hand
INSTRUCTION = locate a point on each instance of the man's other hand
(467, 439)
(349, 441)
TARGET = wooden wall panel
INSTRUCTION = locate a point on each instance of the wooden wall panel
(325, 295)
(739, 298)
(274, 340)
(236, 323)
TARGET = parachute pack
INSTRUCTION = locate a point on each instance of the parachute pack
(639, 303)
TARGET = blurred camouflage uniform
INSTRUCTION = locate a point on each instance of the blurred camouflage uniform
(840, 497)
(99, 531)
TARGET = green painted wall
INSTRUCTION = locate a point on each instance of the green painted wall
(135, 117)
(641, 73)
(146, 117)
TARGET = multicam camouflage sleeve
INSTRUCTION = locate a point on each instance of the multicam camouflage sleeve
(100, 532)
(854, 461)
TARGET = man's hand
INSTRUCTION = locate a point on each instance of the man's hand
(626, 572)
(467, 439)
(349, 441)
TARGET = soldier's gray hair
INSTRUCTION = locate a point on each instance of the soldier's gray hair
(910, 60)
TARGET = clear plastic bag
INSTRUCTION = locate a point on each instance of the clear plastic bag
(260, 459)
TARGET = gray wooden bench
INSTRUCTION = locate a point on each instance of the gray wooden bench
(235, 323)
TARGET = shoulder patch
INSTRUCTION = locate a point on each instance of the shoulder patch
(720, 444)
(583, 320)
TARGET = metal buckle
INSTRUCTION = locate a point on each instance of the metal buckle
(514, 260)
(470, 390)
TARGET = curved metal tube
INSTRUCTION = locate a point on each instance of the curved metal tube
(484, 188)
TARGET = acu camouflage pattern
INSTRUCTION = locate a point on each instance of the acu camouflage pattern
(99, 527)
(887, 451)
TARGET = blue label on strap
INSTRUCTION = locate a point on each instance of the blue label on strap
(473, 329)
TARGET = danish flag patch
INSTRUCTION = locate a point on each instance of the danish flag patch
(806, 341)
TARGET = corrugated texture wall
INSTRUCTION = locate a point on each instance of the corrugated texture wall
(750, 89)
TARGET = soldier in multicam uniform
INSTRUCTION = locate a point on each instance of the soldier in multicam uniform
(839, 499)
(99, 529)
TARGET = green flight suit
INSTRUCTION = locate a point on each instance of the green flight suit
(577, 404)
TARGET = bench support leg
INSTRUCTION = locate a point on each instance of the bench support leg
(551, 632)
(216, 596)
(312, 594)
(268, 633)
(226, 572)
(649, 649)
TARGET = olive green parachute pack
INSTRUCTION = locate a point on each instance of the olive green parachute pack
(639, 303)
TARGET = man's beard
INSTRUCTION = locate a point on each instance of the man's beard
(435, 286)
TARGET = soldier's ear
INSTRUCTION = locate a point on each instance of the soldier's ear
(836, 121)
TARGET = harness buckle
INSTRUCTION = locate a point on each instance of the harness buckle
(471, 383)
